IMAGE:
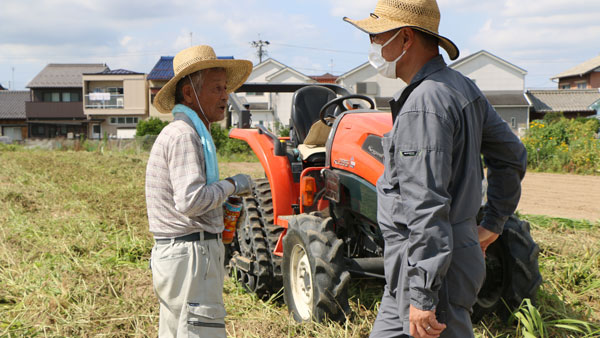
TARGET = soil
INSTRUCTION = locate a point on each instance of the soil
(555, 195)
(561, 195)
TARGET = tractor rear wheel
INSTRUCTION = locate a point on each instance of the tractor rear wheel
(315, 279)
(512, 272)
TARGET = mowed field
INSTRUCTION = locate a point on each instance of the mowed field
(74, 249)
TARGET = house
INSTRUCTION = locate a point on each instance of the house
(325, 78)
(56, 105)
(160, 74)
(572, 103)
(13, 121)
(502, 83)
(271, 109)
(583, 76)
(365, 80)
(114, 102)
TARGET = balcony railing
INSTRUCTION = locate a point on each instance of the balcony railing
(104, 101)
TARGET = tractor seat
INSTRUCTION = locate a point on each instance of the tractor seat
(306, 105)
(314, 142)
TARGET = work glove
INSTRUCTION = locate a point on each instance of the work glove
(242, 183)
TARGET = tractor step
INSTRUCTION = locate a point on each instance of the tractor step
(242, 263)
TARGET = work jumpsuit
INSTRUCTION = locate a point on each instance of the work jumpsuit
(430, 193)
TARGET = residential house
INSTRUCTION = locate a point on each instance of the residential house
(325, 78)
(160, 74)
(13, 121)
(271, 109)
(583, 76)
(502, 83)
(114, 102)
(365, 80)
(56, 105)
(572, 103)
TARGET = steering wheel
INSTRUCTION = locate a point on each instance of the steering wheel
(341, 107)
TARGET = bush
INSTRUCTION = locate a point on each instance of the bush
(559, 144)
(227, 146)
(152, 126)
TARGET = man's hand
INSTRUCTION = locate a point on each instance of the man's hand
(242, 183)
(423, 324)
(486, 238)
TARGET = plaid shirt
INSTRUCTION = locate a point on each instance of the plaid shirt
(178, 199)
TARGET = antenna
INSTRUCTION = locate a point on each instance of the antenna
(12, 85)
(260, 44)
(191, 43)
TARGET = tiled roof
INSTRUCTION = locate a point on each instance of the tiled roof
(506, 97)
(64, 75)
(163, 69)
(115, 72)
(12, 104)
(581, 68)
(572, 100)
(325, 78)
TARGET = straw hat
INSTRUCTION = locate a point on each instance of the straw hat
(196, 58)
(423, 15)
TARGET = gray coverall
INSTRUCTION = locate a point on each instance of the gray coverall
(430, 193)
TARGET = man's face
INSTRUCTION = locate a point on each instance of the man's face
(213, 94)
(393, 48)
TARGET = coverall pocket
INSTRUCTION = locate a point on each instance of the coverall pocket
(465, 275)
(206, 320)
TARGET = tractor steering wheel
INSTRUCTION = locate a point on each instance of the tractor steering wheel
(341, 107)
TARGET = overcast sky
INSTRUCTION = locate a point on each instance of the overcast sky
(544, 37)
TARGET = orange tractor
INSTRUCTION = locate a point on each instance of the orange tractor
(311, 224)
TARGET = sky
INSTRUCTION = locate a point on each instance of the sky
(543, 37)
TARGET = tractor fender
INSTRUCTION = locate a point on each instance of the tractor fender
(277, 169)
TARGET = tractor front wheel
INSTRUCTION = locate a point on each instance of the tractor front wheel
(315, 279)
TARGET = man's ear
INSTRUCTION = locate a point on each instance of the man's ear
(188, 94)
(408, 36)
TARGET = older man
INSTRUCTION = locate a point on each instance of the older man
(184, 195)
(430, 191)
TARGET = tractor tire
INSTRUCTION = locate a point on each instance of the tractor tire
(512, 272)
(262, 193)
(315, 278)
(250, 243)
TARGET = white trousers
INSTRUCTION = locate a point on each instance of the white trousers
(188, 281)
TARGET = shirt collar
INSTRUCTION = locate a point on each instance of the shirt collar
(434, 65)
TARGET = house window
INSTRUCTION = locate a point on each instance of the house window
(513, 122)
(66, 97)
(255, 93)
(51, 97)
(96, 129)
(124, 120)
(366, 88)
(565, 86)
(581, 85)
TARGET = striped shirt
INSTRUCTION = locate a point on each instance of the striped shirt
(178, 199)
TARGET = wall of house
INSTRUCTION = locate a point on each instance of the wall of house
(386, 87)
(13, 125)
(520, 116)
(135, 94)
(595, 79)
(489, 74)
(153, 88)
(573, 81)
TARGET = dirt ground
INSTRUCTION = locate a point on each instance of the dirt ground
(560, 195)
(556, 195)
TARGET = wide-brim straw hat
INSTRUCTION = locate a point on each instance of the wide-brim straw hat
(197, 58)
(423, 15)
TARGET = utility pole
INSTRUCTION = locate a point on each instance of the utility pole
(260, 52)
(12, 87)
(191, 43)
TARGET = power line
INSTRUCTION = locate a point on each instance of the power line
(321, 49)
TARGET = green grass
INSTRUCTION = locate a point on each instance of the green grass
(74, 249)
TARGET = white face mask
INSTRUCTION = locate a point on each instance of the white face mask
(384, 67)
